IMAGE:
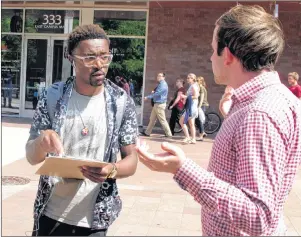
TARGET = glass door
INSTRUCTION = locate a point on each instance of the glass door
(47, 62)
(60, 66)
(36, 73)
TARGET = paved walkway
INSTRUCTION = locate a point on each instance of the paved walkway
(153, 204)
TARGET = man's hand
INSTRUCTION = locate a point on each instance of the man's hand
(226, 101)
(169, 161)
(47, 142)
(97, 175)
(50, 142)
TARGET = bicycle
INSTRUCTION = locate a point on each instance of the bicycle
(212, 124)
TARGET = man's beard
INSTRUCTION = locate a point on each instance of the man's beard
(95, 83)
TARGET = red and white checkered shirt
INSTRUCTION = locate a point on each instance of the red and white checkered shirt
(253, 162)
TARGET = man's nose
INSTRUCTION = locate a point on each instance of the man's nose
(98, 63)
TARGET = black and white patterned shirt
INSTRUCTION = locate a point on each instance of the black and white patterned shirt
(122, 130)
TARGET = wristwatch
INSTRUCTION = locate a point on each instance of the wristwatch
(113, 172)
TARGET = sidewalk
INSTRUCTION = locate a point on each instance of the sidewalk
(153, 204)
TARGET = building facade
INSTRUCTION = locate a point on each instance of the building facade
(146, 38)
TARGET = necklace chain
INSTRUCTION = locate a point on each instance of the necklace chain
(85, 129)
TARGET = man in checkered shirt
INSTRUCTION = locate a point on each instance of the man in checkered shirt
(257, 151)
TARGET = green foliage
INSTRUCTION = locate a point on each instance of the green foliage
(75, 23)
(128, 59)
(123, 27)
(13, 43)
(5, 24)
(11, 55)
(30, 25)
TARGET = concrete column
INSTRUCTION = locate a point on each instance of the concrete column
(87, 15)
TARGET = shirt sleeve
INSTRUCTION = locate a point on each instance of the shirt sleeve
(201, 96)
(298, 92)
(249, 205)
(128, 131)
(41, 119)
(159, 91)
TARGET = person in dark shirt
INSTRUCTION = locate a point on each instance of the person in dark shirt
(177, 105)
(7, 89)
(132, 88)
(16, 22)
(122, 83)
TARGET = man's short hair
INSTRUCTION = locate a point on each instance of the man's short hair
(252, 35)
(181, 80)
(162, 73)
(85, 32)
(294, 75)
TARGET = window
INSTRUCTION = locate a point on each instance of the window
(127, 30)
(128, 62)
(11, 20)
(131, 23)
(51, 21)
(10, 73)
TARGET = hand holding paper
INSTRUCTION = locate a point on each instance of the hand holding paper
(67, 167)
(95, 174)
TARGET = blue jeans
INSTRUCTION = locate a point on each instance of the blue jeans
(7, 94)
(200, 121)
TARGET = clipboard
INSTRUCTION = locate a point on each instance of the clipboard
(66, 167)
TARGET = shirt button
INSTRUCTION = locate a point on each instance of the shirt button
(73, 231)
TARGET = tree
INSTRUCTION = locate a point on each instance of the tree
(128, 53)
(128, 59)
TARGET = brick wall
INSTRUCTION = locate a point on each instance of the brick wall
(179, 38)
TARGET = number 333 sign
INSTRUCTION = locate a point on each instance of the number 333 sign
(52, 19)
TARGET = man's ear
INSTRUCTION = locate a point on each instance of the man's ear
(228, 56)
(70, 58)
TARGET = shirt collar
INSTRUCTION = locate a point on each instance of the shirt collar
(251, 87)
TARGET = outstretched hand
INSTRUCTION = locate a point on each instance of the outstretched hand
(226, 101)
(168, 161)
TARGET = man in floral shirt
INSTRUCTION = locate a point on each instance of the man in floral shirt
(85, 118)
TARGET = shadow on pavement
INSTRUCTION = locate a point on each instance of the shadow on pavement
(14, 120)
